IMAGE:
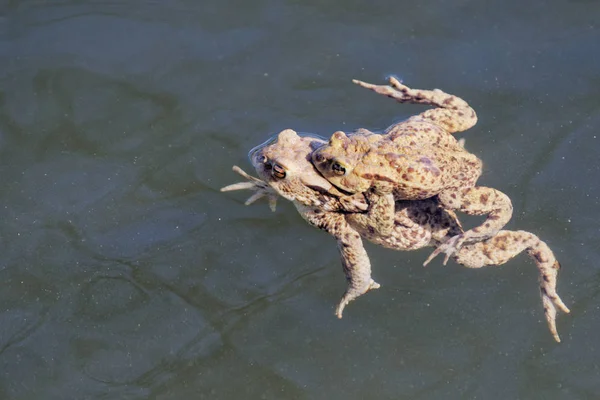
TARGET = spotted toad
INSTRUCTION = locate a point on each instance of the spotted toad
(417, 159)
(285, 170)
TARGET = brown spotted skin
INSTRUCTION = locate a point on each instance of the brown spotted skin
(507, 244)
(415, 223)
(417, 159)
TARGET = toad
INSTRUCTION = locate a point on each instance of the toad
(417, 159)
(284, 166)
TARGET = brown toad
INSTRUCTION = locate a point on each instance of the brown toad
(417, 159)
(285, 168)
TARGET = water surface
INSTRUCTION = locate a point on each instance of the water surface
(126, 274)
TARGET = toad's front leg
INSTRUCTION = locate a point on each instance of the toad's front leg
(453, 114)
(357, 268)
(477, 200)
(380, 217)
(261, 189)
(355, 259)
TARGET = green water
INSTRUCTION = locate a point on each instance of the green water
(126, 274)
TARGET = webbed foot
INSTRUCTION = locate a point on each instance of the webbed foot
(352, 294)
(261, 188)
(395, 90)
(450, 247)
(550, 305)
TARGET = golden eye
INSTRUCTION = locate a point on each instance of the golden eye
(262, 159)
(278, 171)
(337, 168)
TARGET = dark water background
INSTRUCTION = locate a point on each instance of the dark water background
(125, 274)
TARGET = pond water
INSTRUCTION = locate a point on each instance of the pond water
(126, 274)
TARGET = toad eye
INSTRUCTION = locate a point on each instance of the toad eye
(337, 168)
(278, 171)
(319, 158)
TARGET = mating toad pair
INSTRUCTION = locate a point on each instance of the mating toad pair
(399, 189)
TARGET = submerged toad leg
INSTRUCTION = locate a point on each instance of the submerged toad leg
(478, 200)
(506, 245)
(355, 259)
(261, 188)
(453, 113)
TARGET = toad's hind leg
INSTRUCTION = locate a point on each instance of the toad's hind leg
(453, 114)
(506, 245)
(478, 200)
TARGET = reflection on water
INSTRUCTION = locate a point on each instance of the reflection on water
(126, 274)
